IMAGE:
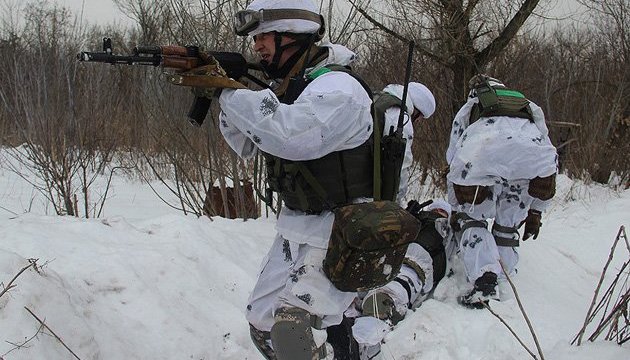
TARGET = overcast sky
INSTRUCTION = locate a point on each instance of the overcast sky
(104, 11)
(96, 11)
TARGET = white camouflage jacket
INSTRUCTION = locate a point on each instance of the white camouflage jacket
(331, 114)
(499, 147)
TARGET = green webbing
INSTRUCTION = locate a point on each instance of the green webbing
(512, 93)
(376, 132)
(299, 168)
(321, 71)
(310, 179)
(500, 102)
(257, 167)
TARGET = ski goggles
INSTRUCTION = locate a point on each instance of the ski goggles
(245, 21)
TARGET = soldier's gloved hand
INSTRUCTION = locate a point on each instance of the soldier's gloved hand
(532, 224)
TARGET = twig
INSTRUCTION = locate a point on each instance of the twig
(509, 328)
(11, 285)
(580, 334)
(622, 231)
(23, 344)
(52, 332)
(520, 305)
(614, 315)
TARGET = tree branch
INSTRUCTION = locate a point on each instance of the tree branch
(620, 233)
(391, 32)
(10, 285)
(53, 333)
(510, 329)
(520, 305)
(500, 42)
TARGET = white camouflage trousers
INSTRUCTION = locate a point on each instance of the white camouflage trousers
(292, 275)
(477, 245)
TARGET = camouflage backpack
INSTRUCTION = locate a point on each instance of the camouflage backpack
(368, 244)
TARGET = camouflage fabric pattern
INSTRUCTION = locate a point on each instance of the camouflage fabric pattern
(368, 244)
(260, 338)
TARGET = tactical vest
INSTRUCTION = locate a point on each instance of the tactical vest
(333, 180)
(499, 101)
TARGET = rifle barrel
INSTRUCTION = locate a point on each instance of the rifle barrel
(86, 56)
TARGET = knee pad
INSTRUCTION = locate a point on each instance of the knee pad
(471, 194)
(542, 188)
(292, 336)
(261, 341)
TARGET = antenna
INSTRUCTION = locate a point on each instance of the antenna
(406, 87)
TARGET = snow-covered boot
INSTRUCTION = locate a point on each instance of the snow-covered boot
(381, 306)
(484, 290)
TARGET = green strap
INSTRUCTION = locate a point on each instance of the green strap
(317, 73)
(300, 168)
(512, 93)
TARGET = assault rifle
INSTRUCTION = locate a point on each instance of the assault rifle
(192, 67)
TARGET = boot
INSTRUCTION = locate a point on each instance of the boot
(484, 290)
(381, 305)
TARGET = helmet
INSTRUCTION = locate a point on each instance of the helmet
(440, 205)
(283, 16)
(421, 98)
(418, 97)
(397, 91)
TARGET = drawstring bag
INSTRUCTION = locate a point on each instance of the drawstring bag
(368, 244)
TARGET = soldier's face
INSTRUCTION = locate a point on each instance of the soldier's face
(416, 116)
(265, 46)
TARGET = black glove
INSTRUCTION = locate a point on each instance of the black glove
(532, 224)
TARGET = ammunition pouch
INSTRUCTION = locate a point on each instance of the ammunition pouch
(368, 244)
(471, 194)
(322, 184)
(543, 188)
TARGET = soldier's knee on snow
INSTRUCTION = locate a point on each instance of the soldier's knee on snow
(543, 188)
(471, 194)
(292, 336)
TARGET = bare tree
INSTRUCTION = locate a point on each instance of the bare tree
(65, 142)
(461, 36)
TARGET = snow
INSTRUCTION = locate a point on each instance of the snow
(147, 282)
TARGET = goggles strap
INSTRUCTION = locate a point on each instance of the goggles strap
(284, 14)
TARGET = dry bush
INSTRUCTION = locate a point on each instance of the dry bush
(77, 118)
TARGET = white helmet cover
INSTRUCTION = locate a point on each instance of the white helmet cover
(418, 97)
(397, 91)
(422, 99)
(296, 26)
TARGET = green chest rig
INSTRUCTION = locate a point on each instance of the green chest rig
(333, 180)
(499, 101)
